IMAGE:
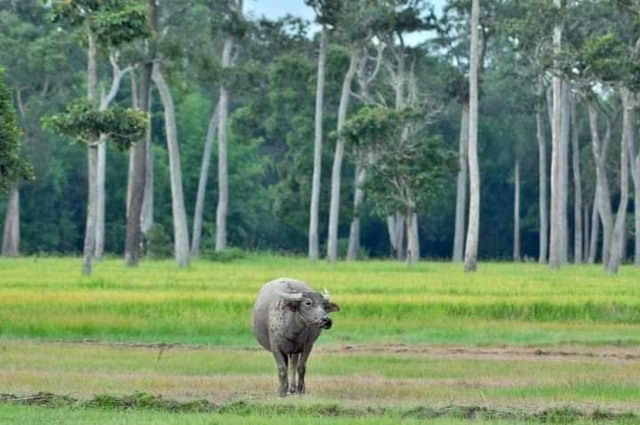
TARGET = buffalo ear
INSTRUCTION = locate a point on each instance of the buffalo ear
(330, 307)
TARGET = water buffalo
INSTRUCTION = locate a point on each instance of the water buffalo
(287, 318)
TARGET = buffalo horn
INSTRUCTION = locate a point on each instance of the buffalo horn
(297, 296)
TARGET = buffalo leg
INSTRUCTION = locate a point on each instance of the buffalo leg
(302, 370)
(293, 372)
(282, 361)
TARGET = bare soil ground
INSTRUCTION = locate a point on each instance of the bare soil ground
(24, 380)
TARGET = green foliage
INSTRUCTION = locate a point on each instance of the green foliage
(604, 57)
(226, 255)
(13, 168)
(327, 11)
(114, 22)
(405, 171)
(80, 121)
(435, 303)
(159, 245)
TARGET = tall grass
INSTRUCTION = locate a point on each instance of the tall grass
(382, 302)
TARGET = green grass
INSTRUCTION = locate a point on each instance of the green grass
(42, 415)
(184, 334)
(428, 303)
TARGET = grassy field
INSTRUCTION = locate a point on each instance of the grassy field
(511, 343)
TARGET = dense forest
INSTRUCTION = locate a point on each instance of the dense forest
(384, 128)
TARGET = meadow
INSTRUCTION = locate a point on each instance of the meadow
(511, 343)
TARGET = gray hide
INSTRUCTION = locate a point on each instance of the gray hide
(287, 318)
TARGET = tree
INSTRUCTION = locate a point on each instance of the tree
(405, 172)
(180, 232)
(13, 167)
(139, 153)
(334, 209)
(473, 230)
(111, 24)
(366, 72)
(27, 45)
(453, 32)
(235, 30)
(326, 15)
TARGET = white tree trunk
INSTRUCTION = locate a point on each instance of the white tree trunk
(92, 162)
(101, 203)
(358, 198)
(636, 206)
(473, 230)
(634, 165)
(223, 171)
(586, 235)
(146, 219)
(11, 238)
(564, 172)
(105, 101)
(202, 182)
(516, 211)
(461, 185)
(396, 228)
(603, 198)
(314, 210)
(543, 192)
(223, 162)
(555, 235)
(595, 229)
(92, 209)
(334, 208)
(619, 237)
(413, 244)
(577, 188)
(180, 232)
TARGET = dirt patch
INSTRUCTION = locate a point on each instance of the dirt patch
(565, 353)
(534, 380)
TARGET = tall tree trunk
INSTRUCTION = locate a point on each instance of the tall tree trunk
(595, 229)
(11, 238)
(133, 242)
(413, 245)
(146, 218)
(180, 232)
(314, 211)
(11, 235)
(555, 235)
(619, 237)
(358, 198)
(92, 162)
(146, 221)
(101, 203)
(336, 173)
(473, 230)
(223, 162)
(543, 192)
(461, 184)
(634, 165)
(564, 172)
(105, 101)
(398, 220)
(586, 235)
(603, 198)
(577, 187)
(202, 182)
(396, 228)
(516, 211)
